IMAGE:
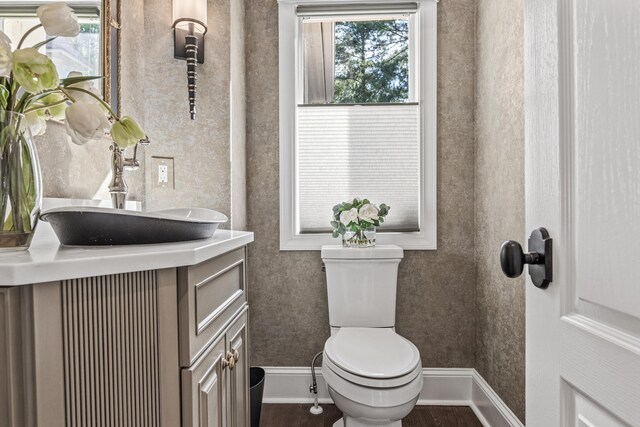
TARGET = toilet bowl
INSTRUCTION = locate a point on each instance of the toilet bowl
(373, 375)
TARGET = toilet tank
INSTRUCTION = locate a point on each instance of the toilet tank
(361, 285)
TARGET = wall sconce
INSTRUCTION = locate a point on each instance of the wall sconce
(189, 28)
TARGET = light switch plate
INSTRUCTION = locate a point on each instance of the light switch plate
(162, 169)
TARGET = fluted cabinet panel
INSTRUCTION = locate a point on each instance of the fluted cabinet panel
(110, 350)
(11, 398)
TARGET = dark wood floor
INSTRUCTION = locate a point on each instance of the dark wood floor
(421, 416)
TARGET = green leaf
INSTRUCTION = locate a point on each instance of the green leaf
(73, 80)
(335, 233)
(335, 224)
(28, 196)
(8, 224)
(42, 43)
(4, 96)
(383, 210)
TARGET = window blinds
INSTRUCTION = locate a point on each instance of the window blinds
(355, 9)
(28, 9)
(347, 151)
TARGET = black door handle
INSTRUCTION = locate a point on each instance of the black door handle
(540, 258)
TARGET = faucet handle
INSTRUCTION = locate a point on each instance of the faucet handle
(131, 164)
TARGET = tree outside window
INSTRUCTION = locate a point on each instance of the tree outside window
(371, 62)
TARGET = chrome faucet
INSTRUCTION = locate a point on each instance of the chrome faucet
(119, 163)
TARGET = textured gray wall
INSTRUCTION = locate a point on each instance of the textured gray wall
(289, 320)
(499, 194)
(132, 76)
(200, 148)
(238, 132)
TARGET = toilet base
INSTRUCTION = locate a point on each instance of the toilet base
(352, 422)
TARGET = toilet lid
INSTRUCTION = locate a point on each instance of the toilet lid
(372, 352)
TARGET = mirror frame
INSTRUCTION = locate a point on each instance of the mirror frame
(111, 48)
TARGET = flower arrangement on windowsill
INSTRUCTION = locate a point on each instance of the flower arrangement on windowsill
(356, 222)
(32, 93)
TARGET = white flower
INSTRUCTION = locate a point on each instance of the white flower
(5, 54)
(347, 217)
(34, 71)
(85, 121)
(58, 19)
(86, 85)
(368, 213)
(5, 39)
(36, 122)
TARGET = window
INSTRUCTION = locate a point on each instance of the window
(357, 118)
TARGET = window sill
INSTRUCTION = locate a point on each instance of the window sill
(314, 242)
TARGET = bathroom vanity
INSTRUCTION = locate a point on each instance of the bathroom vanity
(144, 335)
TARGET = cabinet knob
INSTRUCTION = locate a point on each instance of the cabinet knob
(231, 359)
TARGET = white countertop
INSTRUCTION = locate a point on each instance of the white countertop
(48, 261)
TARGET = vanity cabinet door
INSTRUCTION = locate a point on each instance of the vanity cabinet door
(204, 389)
(215, 389)
(239, 376)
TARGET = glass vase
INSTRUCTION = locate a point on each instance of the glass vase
(363, 238)
(20, 183)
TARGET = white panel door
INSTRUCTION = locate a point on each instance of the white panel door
(582, 101)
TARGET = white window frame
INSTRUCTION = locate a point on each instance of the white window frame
(290, 51)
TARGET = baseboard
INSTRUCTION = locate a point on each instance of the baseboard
(489, 407)
(291, 385)
(452, 387)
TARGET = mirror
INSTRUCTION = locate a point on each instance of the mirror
(95, 51)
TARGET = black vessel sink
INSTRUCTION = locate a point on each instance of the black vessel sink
(91, 226)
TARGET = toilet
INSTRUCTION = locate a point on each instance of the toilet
(373, 375)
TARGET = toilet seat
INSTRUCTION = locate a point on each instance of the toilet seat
(367, 396)
(372, 382)
(372, 357)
